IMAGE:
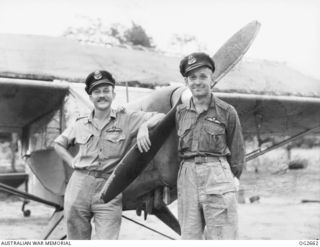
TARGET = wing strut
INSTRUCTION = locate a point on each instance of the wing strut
(55, 219)
(260, 152)
(149, 228)
(28, 196)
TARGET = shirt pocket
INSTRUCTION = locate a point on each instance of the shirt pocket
(113, 144)
(212, 138)
(83, 140)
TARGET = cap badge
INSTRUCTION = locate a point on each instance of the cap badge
(97, 75)
(191, 59)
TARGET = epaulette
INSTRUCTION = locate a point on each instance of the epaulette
(224, 105)
(81, 117)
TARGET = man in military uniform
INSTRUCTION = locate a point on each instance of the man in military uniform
(103, 138)
(212, 150)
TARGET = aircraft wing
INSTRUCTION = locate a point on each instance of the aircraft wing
(28, 106)
(23, 102)
(275, 114)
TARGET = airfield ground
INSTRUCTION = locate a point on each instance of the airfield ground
(279, 214)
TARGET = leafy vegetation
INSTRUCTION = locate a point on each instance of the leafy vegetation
(96, 32)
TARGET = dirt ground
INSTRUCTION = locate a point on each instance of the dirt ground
(272, 218)
(279, 214)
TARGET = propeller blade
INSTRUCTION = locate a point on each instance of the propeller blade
(134, 162)
(233, 50)
(166, 216)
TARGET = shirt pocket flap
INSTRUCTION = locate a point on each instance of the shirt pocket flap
(115, 137)
(83, 138)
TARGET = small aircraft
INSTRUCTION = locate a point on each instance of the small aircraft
(38, 109)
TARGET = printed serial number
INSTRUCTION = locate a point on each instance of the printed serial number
(309, 242)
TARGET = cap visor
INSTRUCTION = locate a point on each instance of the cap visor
(196, 66)
(101, 82)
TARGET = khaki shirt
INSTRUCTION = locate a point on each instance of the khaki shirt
(102, 149)
(215, 132)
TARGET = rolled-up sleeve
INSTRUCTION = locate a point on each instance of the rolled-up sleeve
(235, 143)
(138, 118)
(67, 137)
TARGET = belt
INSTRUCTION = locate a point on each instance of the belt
(96, 174)
(203, 159)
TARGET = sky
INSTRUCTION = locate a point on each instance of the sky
(290, 29)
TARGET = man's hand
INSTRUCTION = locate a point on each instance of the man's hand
(64, 154)
(143, 140)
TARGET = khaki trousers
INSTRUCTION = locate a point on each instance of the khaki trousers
(207, 205)
(82, 203)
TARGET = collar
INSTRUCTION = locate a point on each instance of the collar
(212, 103)
(113, 114)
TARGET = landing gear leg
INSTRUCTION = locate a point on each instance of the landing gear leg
(26, 212)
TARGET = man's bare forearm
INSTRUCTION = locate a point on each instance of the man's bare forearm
(150, 123)
(143, 140)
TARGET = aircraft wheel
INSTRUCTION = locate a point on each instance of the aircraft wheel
(26, 213)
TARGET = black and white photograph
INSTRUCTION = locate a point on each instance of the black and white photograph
(159, 120)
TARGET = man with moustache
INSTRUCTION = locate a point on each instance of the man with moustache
(103, 138)
(212, 151)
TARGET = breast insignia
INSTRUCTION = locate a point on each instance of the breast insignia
(214, 120)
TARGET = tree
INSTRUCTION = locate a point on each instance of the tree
(136, 35)
(94, 31)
